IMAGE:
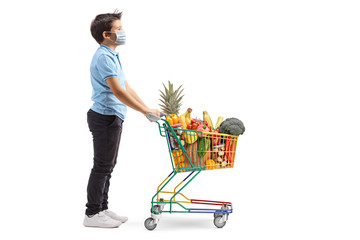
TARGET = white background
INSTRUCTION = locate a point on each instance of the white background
(287, 69)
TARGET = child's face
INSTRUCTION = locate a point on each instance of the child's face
(116, 26)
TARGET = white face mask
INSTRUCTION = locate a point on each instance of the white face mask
(120, 37)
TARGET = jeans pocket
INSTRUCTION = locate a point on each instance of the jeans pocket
(117, 122)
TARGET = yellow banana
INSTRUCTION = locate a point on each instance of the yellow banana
(188, 116)
(185, 118)
(182, 121)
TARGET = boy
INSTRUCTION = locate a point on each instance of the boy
(111, 95)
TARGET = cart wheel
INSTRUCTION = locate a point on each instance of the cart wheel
(150, 224)
(218, 213)
(155, 209)
(218, 223)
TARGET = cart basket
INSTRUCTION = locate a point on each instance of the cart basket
(192, 150)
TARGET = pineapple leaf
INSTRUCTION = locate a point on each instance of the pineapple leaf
(163, 101)
(166, 90)
(180, 98)
(178, 95)
(170, 98)
(162, 95)
(171, 87)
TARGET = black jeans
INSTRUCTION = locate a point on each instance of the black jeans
(106, 131)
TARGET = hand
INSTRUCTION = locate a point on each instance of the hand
(155, 112)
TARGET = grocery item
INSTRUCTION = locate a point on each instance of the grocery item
(194, 124)
(190, 137)
(191, 151)
(185, 118)
(204, 146)
(232, 126)
(182, 121)
(178, 156)
(218, 122)
(188, 116)
(175, 118)
(210, 164)
(219, 156)
(216, 138)
(181, 165)
(176, 125)
(169, 119)
(230, 145)
(203, 127)
(171, 99)
(206, 118)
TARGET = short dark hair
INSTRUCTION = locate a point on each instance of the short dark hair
(103, 22)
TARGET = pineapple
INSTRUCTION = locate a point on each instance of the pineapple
(171, 100)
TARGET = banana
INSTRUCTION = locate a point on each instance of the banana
(185, 118)
(188, 116)
(182, 121)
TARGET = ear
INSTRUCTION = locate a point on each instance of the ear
(105, 35)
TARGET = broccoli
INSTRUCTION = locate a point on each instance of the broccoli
(232, 126)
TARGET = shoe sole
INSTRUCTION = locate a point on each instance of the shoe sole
(94, 226)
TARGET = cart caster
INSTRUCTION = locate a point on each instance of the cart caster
(221, 213)
(150, 224)
(219, 221)
(156, 209)
(218, 213)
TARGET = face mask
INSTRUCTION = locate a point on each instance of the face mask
(120, 37)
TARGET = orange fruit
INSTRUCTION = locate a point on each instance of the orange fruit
(210, 164)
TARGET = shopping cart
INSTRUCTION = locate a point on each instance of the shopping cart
(191, 151)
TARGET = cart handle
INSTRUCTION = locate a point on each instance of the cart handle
(154, 118)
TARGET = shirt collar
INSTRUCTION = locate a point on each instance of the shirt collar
(109, 50)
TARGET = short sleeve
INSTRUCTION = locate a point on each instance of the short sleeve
(106, 67)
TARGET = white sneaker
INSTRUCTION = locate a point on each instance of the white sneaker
(101, 220)
(115, 216)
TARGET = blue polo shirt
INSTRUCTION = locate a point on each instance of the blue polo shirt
(106, 64)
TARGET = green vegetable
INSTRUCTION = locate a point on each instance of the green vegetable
(232, 126)
(219, 121)
(204, 146)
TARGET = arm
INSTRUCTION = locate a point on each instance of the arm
(134, 95)
(125, 96)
